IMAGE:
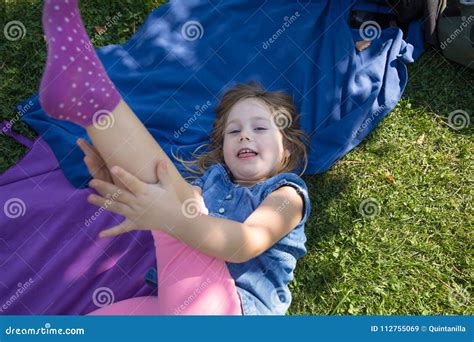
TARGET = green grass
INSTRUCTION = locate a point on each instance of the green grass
(413, 257)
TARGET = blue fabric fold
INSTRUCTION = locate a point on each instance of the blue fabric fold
(174, 69)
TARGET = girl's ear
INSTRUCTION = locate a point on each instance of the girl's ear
(286, 154)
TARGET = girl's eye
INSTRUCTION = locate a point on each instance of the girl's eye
(258, 129)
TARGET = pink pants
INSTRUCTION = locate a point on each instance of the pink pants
(189, 283)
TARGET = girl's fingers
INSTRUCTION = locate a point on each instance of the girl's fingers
(86, 148)
(135, 185)
(91, 152)
(92, 167)
(111, 191)
(97, 172)
(110, 205)
(94, 162)
(123, 227)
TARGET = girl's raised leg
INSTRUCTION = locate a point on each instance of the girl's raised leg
(75, 87)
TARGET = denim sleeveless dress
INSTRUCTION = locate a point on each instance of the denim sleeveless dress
(262, 282)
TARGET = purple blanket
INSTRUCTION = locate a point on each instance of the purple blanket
(52, 261)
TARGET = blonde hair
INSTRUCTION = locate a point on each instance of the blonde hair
(284, 116)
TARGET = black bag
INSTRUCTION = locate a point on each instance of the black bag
(405, 11)
(428, 10)
(448, 24)
(456, 32)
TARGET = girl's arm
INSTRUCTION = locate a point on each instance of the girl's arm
(157, 206)
(238, 242)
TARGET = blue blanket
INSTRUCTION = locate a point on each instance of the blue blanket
(174, 69)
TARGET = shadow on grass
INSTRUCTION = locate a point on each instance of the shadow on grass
(442, 87)
(322, 225)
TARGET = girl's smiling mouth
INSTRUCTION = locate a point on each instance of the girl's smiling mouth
(245, 153)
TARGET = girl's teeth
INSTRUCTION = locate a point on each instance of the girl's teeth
(247, 155)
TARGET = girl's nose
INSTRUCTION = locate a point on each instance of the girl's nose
(246, 137)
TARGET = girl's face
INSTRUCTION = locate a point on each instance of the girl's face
(250, 125)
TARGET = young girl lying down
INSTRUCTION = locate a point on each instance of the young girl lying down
(228, 242)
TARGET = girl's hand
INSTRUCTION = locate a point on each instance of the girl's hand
(94, 162)
(145, 206)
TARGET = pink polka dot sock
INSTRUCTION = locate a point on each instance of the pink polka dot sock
(75, 85)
